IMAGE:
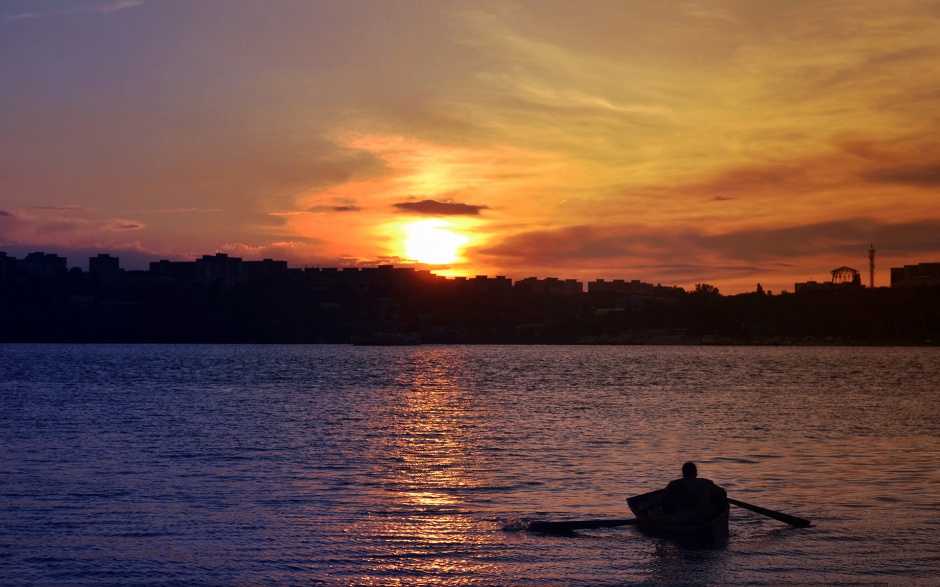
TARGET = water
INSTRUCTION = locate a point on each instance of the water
(341, 465)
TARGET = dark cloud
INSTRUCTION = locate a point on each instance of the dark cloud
(750, 180)
(911, 160)
(920, 175)
(575, 242)
(343, 208)
(735, 260)
(5, 213)
(853, 162)
(685, 254)
(436, 208)
(836, 237)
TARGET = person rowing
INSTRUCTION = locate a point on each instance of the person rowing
(693, 495)
(689, 507)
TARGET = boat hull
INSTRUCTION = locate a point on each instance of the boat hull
(653, 521)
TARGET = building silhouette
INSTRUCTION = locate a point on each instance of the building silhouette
(105, 268)
(220, 298)
(634, 287)
(916, 275)
(43, 265)
(550, 285)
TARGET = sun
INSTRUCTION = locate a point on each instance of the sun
(430, 241)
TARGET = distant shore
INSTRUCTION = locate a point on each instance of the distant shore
(321, 307)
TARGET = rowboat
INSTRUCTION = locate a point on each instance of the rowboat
(651, 519)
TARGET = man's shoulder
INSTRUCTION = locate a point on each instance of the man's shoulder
(704, 483)
(676, 487)
(712, 486)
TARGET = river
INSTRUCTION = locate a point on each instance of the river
(146, 465)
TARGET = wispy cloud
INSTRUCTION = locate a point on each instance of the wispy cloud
(123, 225)
(99, 8)
(60, 226)
(59, 208)
(317, 210)
(176, 211)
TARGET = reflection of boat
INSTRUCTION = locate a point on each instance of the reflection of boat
(387, 339)
(648, 508)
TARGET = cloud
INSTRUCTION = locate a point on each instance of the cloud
(846, 179)
(925, 175)
(341, 208)
(59, 227)
(7, 214)
(102, 8)
(751, 180)
(585, 242)
(319, 209)
(687, 254)
(175, 211)
(60, 208)
(124, 225)
(436, 208)
(840, 237)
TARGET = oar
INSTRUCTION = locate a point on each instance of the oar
(785, 518)
(564, 527)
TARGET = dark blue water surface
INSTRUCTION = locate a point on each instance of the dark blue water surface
(342, 465)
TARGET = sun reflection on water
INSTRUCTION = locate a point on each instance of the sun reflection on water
(428, 534)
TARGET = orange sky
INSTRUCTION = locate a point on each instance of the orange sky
(730, 143)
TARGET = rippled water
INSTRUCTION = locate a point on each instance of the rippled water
(341, 465)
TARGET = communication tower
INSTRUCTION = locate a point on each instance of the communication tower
(871, 266)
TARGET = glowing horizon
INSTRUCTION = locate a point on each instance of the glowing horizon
(726, 143)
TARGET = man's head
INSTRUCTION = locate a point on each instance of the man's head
(689, 470)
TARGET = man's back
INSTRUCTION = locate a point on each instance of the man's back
(691, 494)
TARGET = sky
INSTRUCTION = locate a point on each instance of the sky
(723, 142)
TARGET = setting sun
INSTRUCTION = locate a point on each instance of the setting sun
(430, 241)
